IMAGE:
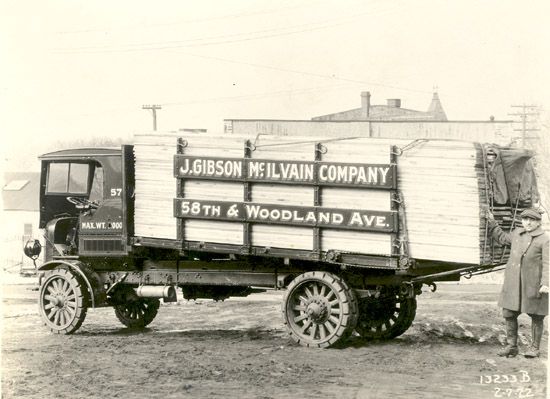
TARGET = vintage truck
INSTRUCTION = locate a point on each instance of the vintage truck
(350, 227)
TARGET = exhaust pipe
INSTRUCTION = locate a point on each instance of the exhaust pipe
(166, 292)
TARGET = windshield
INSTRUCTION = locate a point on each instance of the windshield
(67, 178)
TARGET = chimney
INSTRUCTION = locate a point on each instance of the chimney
(394, 102)
(365, 104)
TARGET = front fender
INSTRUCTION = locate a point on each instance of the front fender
(91, 278)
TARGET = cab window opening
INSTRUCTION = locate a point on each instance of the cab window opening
(78, 178)
(96, 191)
(67, 178)
(58, 175)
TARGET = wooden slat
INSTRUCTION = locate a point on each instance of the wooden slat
(353, 198)
(213, 231)
(282, 237)
(282, 194)
(352, 241)
(213, 190)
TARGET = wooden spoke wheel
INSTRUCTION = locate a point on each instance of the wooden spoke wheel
(385, 317)
(63, 301)
(319, 309)
(137, 312)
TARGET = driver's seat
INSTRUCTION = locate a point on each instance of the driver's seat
(61, 235)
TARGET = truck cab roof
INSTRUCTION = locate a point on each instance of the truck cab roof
(81, 153)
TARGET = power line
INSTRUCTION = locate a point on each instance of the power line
(253, 96)
(213, 40)
(154, 109)
(307, 73)
(524, 115)
(142, 26)
(128, 110)
(190, 43)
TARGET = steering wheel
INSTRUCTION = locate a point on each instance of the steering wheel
(82, 203)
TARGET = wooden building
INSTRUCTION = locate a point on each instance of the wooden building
(20, 217)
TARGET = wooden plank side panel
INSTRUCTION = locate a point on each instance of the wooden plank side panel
(290, 237)
(439, 183)
(417, 221)
(213, 190)
(282, 237)
(355, 198)
(356, 241)
(348, 241)
(282, 194)
(156, 231)
(166, 228)
(357, 151)
(213, 231)
(235, 151)
(453, 252)
(154, 188)
(277, 149)
(436, 237)
(459, 170)
(438, 180)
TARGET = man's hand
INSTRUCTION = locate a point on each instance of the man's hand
(543, 289)
(489, 215)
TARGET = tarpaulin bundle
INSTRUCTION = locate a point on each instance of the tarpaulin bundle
(498, 181)
(513, 176)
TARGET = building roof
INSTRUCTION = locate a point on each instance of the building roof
(436, 109)
(21, 191)
(390, 112)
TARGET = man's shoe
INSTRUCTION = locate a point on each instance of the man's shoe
(508, 351)
(511, 349)
(532, 352)
(537, 327)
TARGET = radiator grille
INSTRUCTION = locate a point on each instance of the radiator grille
(101, 245)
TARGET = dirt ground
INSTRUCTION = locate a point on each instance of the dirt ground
(239, 349)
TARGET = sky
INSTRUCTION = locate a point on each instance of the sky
(77, 69)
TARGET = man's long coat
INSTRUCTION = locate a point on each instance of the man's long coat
(526, 270)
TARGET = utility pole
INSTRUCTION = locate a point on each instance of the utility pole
(526, 111)
(154, 109)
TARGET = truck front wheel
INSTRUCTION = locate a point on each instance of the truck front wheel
(63, 301)
(319, 309)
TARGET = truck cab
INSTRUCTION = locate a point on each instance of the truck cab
(83, 202)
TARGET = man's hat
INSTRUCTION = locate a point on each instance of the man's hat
(531, 213)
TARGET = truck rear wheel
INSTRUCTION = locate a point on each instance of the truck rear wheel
(138, 312)
(319, 309)
(63, 301)
(385, 317)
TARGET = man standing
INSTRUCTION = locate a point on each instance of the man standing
(525, 288)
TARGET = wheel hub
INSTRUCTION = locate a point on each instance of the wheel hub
(60, 301)
(317, 310)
